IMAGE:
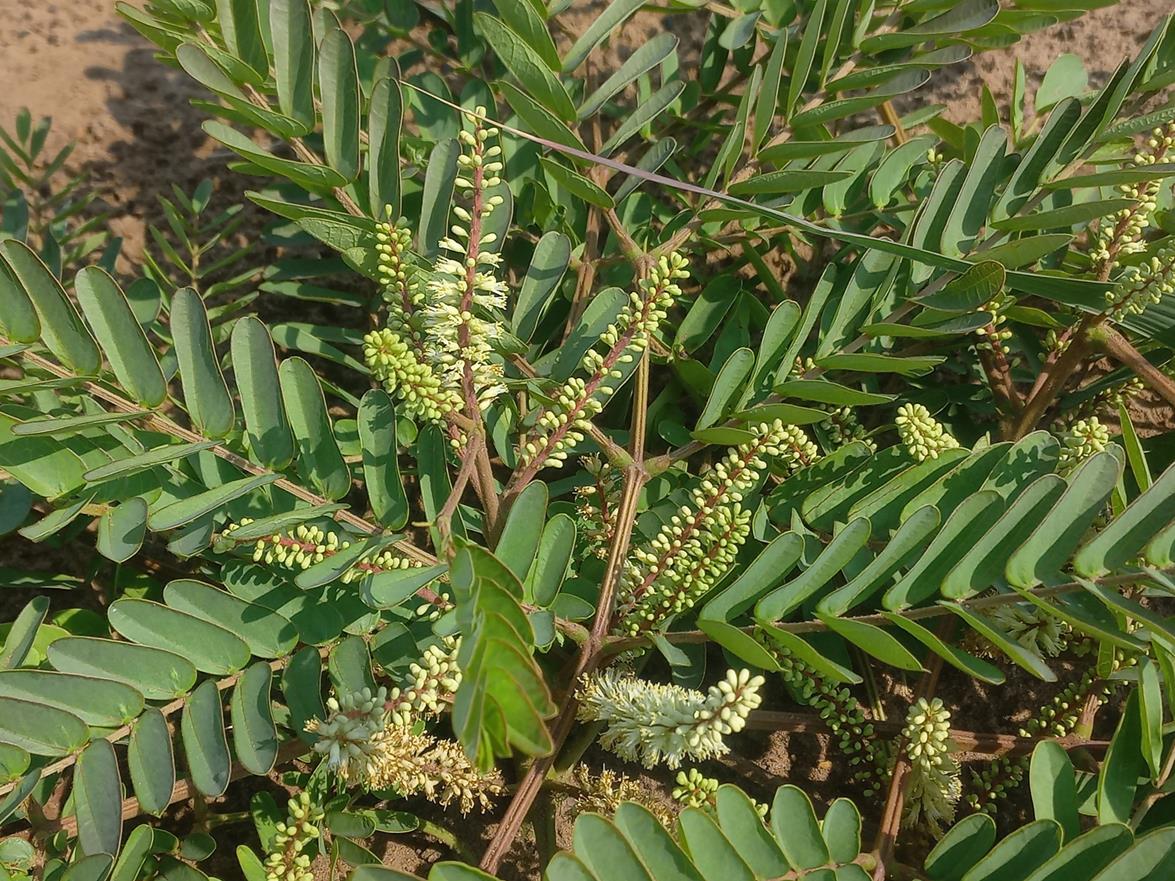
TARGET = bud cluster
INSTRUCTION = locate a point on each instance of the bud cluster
(665, 724)
(307, 544)
(596, 507)
(996, 333)
(922, 434)
(1123, 232)
(934, 787)
(560, 427)
(694, 550)
(842, 428)
(399, 279)
(1143, 285)
(1081, 440)
(396, 354)
(852, 732)
(286, 860)
(1058, 718)
(396, 364)
(694, 789)
(433, 684)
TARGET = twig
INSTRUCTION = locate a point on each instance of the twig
(444, 518)
(1159, 790)
(1052, 379)
(591, 652)
(1122, 350)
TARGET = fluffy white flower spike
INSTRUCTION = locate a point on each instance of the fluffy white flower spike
(436, 351)
(935, 786)
(656, 724)
(463, 292)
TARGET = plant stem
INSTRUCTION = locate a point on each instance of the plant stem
(1159, 789)
(444, 519)
(1052, 380)
(161, 423)
(1122, 350)
(591, 652)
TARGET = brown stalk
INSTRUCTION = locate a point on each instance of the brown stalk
(444, 519)
(1122, 350)
(1052, 379)
(591, 651)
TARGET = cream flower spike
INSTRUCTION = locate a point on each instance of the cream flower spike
(657, 724)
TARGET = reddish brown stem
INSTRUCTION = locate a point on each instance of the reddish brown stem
(1121, 350)
(1052, 380)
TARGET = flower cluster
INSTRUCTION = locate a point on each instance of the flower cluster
(307, 544)
(842, 428)
(934, 787)
(560, 426)
(395, 354)
(1083, 439)
(1143, 285)
(1043, 634)
(286, 860)
(463, 291)
(654, 723)
(437, 346)
(603, 793)
(433, 683)
(922, 434)
(365, 746)
(692, 551)
(349, 735)
(413, 763)
(1123, 232)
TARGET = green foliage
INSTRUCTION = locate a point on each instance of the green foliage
(554, 408)
(46, 206)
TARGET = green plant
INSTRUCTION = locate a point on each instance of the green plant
(45, 205)
(574, 437)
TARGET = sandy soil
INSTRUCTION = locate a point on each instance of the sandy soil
(135, 133)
